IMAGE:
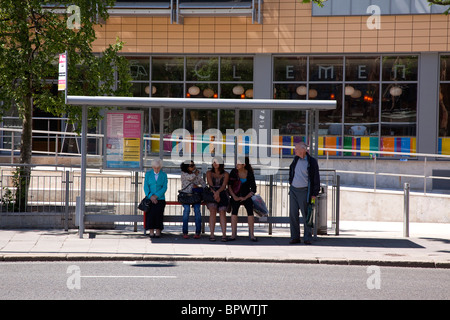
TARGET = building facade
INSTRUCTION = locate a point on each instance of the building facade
(386, 63)
(388, 69)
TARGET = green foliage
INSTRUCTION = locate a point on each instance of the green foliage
(441, 3)
(31, 37)
(318, 2)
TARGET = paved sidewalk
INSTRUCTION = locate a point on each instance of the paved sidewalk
(359, 243)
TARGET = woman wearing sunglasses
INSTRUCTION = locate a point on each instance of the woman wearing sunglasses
(191, 179)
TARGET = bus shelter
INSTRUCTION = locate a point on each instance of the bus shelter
(312, 108)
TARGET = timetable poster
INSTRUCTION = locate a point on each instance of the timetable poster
(123, 140)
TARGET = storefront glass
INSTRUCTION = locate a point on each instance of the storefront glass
(194, 77)
(444, 107)
(376, 100)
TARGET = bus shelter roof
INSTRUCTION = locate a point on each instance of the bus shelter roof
(204, 103)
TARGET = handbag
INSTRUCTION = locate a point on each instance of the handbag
(208, 195)
(145, 204)
(189, 197)
(235, 183)
(310, 215)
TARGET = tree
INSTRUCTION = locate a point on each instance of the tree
(318, 2)
(32, 34)
(441, 3)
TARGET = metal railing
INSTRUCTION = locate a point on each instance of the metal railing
(115, 196)
(376, 171)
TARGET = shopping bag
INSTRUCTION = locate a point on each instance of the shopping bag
(310, 214)
(259, 206)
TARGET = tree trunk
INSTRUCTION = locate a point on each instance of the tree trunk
(23, 181)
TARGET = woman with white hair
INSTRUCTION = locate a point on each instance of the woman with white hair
(155, 187)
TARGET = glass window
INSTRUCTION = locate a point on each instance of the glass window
(140, 89)
(400, 68)
(362, 68)
(167, 90)
(290, 69)
(168, 69)
(290, 91)
(325, 69)
(236, 69)
(445, 68)
(444, 110)
(330, 122)
(207, 117)
(289, 122)
(140, 68)
(227, 120)
(236, 91)
(361, 103)
(173, 119)
(201, 90)
(361, 129)
(202, 69)
(399, 108)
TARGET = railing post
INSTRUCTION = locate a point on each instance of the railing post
(338, 203)
(425, 176)
(12, 147)
(270, 202)
(66, 209)
(406, 210)
(84, 125)
(136, 199)
(56, 149)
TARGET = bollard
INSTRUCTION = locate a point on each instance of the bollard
(66, 208)
(406, 188)
(338, 204)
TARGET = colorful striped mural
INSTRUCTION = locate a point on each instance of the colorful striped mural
(367, 144)
(444, 145)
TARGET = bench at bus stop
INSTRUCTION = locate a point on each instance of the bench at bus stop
(179, 218)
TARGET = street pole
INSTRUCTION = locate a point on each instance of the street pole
(406, 210)
(84, 124)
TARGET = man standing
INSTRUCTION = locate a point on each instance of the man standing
(303, 175)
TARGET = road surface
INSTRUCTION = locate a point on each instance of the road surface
(217, 281)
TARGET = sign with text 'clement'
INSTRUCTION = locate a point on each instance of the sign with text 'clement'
(123, 141)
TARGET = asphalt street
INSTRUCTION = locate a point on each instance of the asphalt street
(217, 280)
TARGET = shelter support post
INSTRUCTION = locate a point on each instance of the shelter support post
(84, 124)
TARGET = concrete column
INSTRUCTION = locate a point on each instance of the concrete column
(262, 89)
(427, 104)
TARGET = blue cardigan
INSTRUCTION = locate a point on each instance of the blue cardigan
(152, 187)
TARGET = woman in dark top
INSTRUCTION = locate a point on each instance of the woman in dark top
(217, 179)
(242, 187)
